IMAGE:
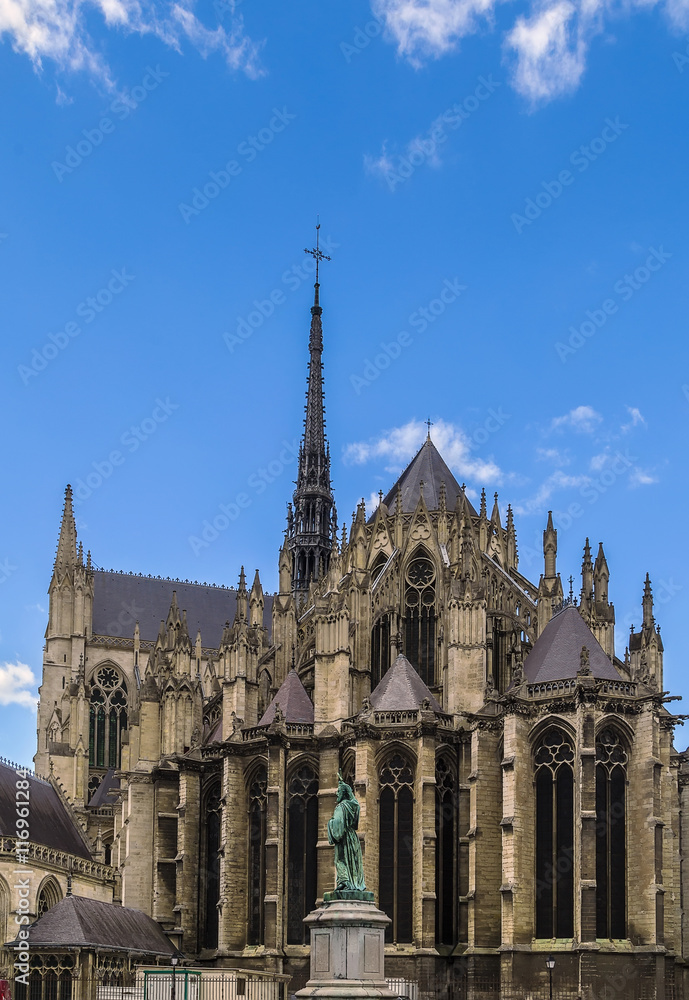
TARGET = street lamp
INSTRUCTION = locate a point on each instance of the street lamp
(549, 964)
(174, 961)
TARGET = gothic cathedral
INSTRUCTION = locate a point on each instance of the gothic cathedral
(520, 792)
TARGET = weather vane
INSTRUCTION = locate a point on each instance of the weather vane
(316, 251)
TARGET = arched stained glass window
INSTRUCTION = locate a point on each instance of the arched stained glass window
(554, 762)
(210, 869)
(302, 818)
(257, 855)
(611, 850)
(396, 847)
(446, 843)
(419, 618)
(107, 717)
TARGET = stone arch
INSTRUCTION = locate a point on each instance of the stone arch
(265, 683)
(420, 589)
(4, 908)
(210, 845)
(49, 893)
(108, 714)
(396, 780)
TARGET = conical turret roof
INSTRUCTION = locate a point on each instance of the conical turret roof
(401, 688)
(430, 468)
(294, 702)
(557, 652)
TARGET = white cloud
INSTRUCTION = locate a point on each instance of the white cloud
(556, 481)
(57, 30)
(548, 46)
(639, 477)
(553, 455)
(636, 418)
(423, 28)
(399, 445)
(15, 679)
(582, 418)
(550, 49)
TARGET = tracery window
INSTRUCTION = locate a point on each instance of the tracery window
(611, 852)
(396, 847)
(51, 977)
(210, 880)
(446, 887)
(302, 820)
(380, 649)
(419, 618)
(257, 855)
(554, 761)
(48, 895)
(107, 717)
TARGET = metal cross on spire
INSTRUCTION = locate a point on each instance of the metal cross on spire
(429, 424)
(316, 251)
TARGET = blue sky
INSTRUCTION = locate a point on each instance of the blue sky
(502, 189)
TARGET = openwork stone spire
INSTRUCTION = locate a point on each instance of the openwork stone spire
(312, 527)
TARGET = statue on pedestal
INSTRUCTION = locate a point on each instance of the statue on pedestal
(349, 867)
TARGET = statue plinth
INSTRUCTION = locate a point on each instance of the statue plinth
(347, 948)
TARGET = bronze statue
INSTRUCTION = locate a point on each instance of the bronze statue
(349, 867)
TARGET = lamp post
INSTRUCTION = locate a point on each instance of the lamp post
(549, 964)
(174, 960)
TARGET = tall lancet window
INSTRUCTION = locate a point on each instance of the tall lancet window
(302, 835)
(554, 761)
(210, 866)
(611, 851)
(107, 717)
(396, 847)
(257, 855)
(380, 649)
(419, 617)
(446, 887)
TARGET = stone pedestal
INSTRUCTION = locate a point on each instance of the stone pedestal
(347, 950)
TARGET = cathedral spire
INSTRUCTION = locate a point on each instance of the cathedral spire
(66, 555)
(310, 530)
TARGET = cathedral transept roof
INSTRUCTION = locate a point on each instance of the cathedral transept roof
(120, 599)
(402, 688)
(427, 467)
(557, 653)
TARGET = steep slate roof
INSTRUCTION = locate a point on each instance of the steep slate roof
(401, 688)
(106, 792)
(428, 466)
(294, 702)
(119, 599)
(557, 652)
(76, 922)
(50, 822)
